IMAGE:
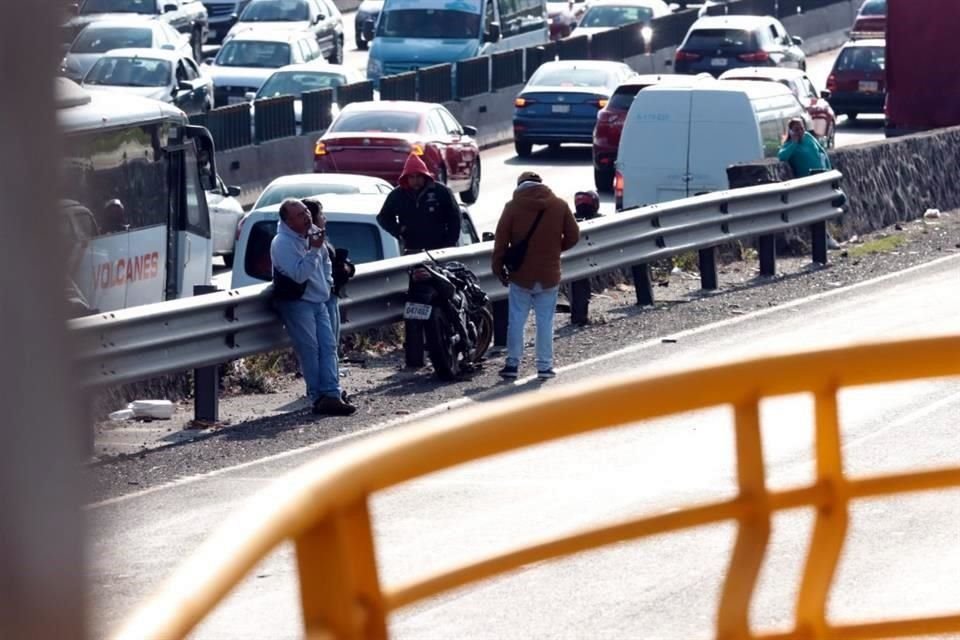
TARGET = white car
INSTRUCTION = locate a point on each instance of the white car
(225, 216)
(351, 225)
(603, 15)
(303, 185)
(160, 74)
(295, 79)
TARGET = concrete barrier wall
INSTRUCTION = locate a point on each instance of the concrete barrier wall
(252, 168)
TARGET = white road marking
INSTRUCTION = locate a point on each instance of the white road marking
(466, 401)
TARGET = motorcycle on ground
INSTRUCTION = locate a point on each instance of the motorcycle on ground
(447, 310)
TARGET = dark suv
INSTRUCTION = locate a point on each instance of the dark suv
(715, 44)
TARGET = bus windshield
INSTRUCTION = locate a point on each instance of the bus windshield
(429, 23)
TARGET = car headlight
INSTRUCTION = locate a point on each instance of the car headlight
(374, 68)
(647, 33)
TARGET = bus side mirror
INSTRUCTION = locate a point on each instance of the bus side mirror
(493, 34)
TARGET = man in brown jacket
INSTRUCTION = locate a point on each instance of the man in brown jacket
(536, 282)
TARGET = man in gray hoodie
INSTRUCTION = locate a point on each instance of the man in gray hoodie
(304, 275)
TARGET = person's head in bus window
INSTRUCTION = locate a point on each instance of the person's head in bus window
(113, 217)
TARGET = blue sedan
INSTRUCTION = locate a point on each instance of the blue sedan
(561, 101)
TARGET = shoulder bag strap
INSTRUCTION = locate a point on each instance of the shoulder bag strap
(534, 227)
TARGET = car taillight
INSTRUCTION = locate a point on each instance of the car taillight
(756, 56)
(598, 102)
(618, 190)
(320, 149)
(831, 83)
(416, 149)
(682, 56)
(520, 103)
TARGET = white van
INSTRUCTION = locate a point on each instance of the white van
(678, 141)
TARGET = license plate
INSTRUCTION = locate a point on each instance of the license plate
(561, 108)
(869, 87)
(719, 62)
(416, 311)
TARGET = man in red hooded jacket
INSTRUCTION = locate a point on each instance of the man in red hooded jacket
(421, 213)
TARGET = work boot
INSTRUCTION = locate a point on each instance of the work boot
(333, 406)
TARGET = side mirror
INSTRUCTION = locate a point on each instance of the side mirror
(494, 34)
(319, 18)
(487, 236)
(469, 131)
(169, 7)
(367, 29)
(250, 96)
(233, 191)
(825, 95)
(208, 61)
(797, 41)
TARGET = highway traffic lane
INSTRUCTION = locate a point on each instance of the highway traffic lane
(139, 540)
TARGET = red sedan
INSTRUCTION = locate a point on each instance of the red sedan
(872, 18)
(375, 138)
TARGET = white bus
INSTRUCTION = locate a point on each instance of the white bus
(132, 199)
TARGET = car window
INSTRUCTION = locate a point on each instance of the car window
(450, 123)
(468, 235)
(435, 124)
(181, 72)
(191, 68)
(360, 239)
(874, 8)
(614, 16)
(279, 193)
(294, 83)
(729, 39)
(249, 53)
(373, 121)
(276, 11)
(808, 88)
(861, 59)
(144, 7)
(569, 77)
(173, 36)
(106, 39)
(129, 72)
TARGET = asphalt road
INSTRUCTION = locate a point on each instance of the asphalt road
(901, 558)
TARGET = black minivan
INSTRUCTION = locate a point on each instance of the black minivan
(717, 43)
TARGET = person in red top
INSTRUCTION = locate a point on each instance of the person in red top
(421, 213)
(535, 284)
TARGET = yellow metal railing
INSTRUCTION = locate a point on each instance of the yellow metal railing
(323, 507)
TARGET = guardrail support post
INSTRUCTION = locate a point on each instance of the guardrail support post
(708, 268)
(501, 312)
(818, 235)
(580, 302)
(767, 252)
(206, 383)
(642, 284)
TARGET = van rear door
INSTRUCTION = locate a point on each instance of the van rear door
(723, 131)
(652, 156)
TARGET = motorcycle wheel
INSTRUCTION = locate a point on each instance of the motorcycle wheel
(484, 321)
(445, 355)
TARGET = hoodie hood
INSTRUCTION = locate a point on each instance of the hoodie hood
(412, 166)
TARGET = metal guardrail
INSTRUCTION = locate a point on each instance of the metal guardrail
(138, 343)
(323, 508)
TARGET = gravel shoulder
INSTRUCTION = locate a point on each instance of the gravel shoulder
(132, 456)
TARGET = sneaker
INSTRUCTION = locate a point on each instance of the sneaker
(509, 371)
(546, 374)
(330, 406)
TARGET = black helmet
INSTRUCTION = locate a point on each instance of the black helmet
(586, 204)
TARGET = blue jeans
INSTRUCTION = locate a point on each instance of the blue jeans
(333, 309)
(544, 304)
(311, 332)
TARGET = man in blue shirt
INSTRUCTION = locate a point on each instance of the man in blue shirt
(300, 260)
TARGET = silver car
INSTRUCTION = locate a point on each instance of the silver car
(295, 79)
(249, 58)
(99, 37)
(153, 73)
